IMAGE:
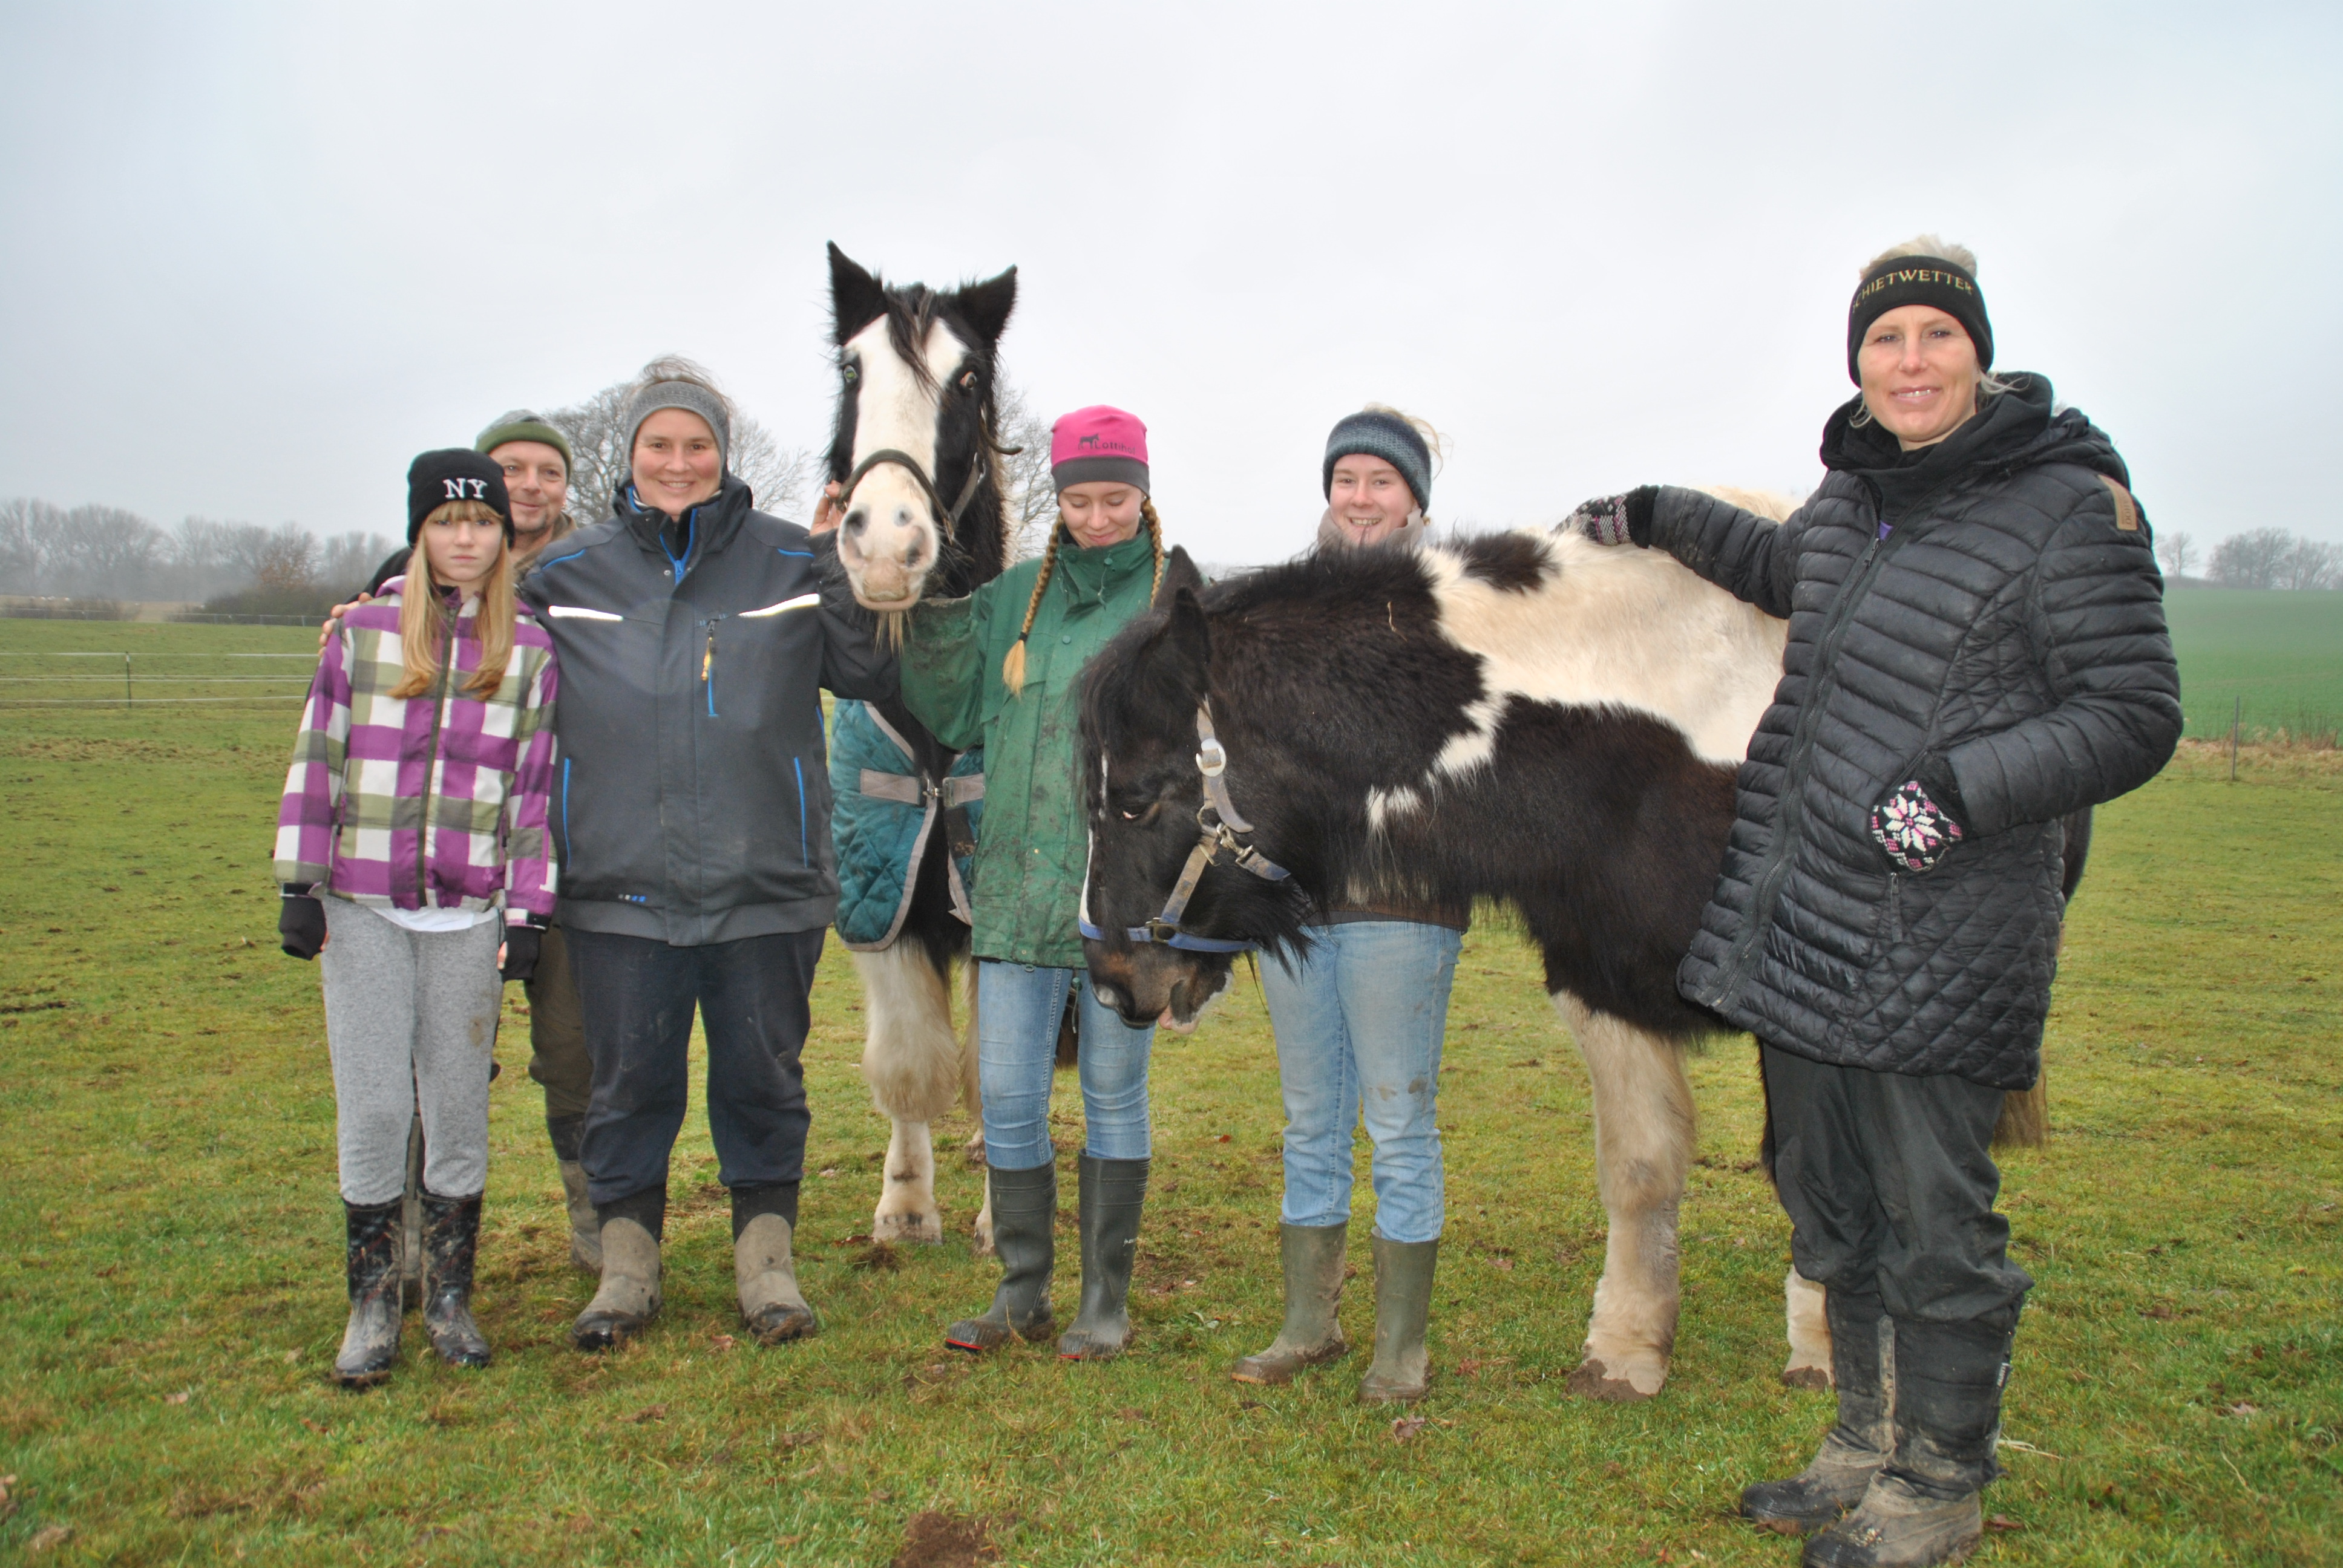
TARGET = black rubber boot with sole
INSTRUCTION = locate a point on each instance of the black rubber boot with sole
(1863, 1364)
(451, 1241)
(764, 1222)
(1926, 1506)
(1024, 1237)
(371, 1263)
(629, 1297)
(1401, 1370)
(1113, 1195)
(566, 1132)
(1313, 1257)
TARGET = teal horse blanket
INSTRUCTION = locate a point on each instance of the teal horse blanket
(880, 819)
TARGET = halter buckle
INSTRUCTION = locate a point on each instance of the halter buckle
(1159, 930)
(1212, 758)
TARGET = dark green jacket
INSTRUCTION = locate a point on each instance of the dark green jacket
(1029, 854)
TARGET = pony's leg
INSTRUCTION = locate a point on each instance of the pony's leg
(1642, 1144)
(911, 1062)
(1810, 1338)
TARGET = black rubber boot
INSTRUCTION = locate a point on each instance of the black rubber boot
(628, 1298)
(1313, 1256)
(764, 1222)
(451, 1240)
(370, 1343)
(585, 1226)
(1925, 1507)
(1403, 1366)
(1863, 1364)
(1024, 1220)
(1113, 1192)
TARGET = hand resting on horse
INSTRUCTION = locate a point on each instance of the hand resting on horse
(1616, 519)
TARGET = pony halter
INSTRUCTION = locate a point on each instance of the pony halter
(947, 517)
(1220, 823)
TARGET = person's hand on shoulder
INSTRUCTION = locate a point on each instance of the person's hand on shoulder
(1624, 520)
(333, 619)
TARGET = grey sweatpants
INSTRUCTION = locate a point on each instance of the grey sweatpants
(410, 1019)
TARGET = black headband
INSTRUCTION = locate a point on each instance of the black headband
(1917, 280)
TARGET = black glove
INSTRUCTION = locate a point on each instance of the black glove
(1617, 519)
(301, 926)
(520, 951)
(1917, 822)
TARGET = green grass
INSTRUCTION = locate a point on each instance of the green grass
(170, 1283)
(2282, 653)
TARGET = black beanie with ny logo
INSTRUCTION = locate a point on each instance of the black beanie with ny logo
(454, 473)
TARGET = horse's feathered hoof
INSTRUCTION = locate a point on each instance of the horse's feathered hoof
(1593, 1379)
(1817, 1379)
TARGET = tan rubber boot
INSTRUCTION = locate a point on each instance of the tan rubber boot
(1402, 1367)
(1314, 1259)
(764, 1223)
(628, 1298)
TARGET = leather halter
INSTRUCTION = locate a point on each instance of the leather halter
(948, 517)
(1220, 823)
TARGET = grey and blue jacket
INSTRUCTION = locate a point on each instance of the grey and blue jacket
(692, 801)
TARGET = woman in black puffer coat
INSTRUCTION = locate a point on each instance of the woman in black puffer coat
(1977, 649)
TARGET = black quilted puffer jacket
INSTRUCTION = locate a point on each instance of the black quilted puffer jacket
(1989, 609)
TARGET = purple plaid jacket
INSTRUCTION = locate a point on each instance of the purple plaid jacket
(429, 802)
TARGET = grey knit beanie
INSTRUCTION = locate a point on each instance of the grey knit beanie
(690, 397)
(1371, 433)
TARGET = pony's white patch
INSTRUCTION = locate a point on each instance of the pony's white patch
(1384, 804)
(893, 408)
(1610, 626)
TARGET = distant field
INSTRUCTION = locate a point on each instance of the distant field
(2281, 652)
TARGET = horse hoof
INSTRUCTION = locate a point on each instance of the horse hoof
(898, 1228)
(1593, 1379)
(1815, 1378)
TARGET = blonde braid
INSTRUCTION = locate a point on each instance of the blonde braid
(1155, 538)
(1013, 668)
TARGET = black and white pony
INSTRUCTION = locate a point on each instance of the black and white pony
(914, 452)
(1527, 718)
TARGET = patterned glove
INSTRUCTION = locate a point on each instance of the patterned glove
(301, 926)
(520, 951)
(1617, 519)
(1914, 824)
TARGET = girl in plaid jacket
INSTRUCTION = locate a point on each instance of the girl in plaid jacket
(411, 849)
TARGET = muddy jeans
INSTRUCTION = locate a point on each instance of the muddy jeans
(557, 1031)
(410, 1020)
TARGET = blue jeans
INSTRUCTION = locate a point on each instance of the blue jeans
(1018, 1007)
(1359, 1022)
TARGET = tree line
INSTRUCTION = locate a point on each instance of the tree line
(107, 554)
(2258, 558)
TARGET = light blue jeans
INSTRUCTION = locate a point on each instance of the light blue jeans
(1018, 1007)
(1359, 1022)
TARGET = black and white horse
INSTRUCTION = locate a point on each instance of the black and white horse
(1526, 717)
(914, 451)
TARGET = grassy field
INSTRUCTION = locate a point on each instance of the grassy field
(170, 1282)
(2282, 653)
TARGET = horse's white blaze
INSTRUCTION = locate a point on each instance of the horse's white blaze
(1617, 627)
(894, 409)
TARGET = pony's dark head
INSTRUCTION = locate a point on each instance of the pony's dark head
(916, 369)
(1142, 792)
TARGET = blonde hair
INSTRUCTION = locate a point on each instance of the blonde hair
(422, 619)
(1012, 667)
(1989, 385)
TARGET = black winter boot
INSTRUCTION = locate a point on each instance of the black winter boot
(370, 1343)
(628, 1298)
(451, 1240)
(1401, 1370)
(1024, 1220)
(764, 1222)
(1113, 1191)
(1863, 1364)
(1924, 1508)
(1313, 1258)
(585, 1226)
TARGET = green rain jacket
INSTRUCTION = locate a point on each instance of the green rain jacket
(1030, 852)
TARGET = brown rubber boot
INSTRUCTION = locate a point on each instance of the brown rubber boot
(764, 1222)
(1402, 1367)
(628, 1298)
(1313, 1257)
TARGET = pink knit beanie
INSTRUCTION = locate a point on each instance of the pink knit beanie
(1099, 443)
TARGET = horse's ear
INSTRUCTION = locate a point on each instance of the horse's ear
(1179, 572)
(1188, 640)
(986, 306)
(856, 298)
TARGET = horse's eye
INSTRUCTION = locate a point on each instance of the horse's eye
(968, 381)
(1131, 815)
(851, 374)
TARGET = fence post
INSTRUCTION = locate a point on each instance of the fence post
(126, 678)
(2236, 718)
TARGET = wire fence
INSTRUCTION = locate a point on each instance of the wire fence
(117, 678)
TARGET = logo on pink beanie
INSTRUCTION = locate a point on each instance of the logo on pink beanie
(1099, 443)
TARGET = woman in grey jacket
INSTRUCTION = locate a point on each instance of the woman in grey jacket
(1977, 649)
(691, 814)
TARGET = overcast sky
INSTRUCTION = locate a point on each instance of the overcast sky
(260, 255)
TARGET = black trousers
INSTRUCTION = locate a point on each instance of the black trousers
(639, 996)
(1889, 1182)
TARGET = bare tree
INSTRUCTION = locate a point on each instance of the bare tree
(2311, 564)
(779, 476)
(1026, 492)
(2251, 559)
(347, 560)
(288, 561)
(2179, 553)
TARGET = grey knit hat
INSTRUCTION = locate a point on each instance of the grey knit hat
(690, 397)
(1372, 433)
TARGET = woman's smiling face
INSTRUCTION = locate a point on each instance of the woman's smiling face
(1920, 374)
(1368, 499)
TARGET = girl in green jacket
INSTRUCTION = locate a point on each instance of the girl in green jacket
(1001, 669)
